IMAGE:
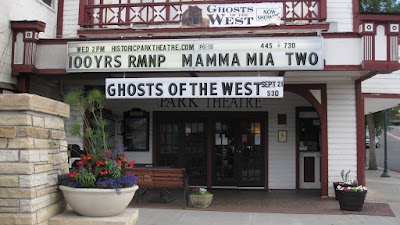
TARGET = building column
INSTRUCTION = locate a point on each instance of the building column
(33, 152)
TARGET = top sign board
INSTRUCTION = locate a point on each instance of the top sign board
(232, 15)
(216, 54)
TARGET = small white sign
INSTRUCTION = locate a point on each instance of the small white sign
(194, 87)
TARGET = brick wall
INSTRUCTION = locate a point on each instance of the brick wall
(33, 151)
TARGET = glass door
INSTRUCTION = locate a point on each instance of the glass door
(183, 144)
(238, 153)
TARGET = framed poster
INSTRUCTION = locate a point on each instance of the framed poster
(136, 130)
(282, 136)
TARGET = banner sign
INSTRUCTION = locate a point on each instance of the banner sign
(194, 87)
(246, 54)
(232, 15)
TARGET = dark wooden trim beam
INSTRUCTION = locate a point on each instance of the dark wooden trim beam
(209, 153)
(19, 69)
(341, 35)
(380, 66)
(356, 12)
(360, 123)
(367, 76)
(266, 150)
(342, 67)
(60, 18)
(281, 73)
(23, 85)
(28, 25)
(374, 95)
(384, 17)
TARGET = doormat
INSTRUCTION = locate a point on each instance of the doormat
(374, 209)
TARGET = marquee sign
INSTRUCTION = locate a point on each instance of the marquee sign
(194, 87)
(246, 54)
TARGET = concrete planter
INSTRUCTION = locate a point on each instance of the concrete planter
(98, 202)
(201, 201)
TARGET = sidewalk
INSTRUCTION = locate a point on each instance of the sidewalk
(384, 190)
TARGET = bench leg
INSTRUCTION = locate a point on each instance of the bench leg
(185, 198)
(141, 193)
(166, 196)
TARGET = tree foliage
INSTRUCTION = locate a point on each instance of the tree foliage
(91, 106)
(380, 6)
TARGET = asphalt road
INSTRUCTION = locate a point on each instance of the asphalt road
(393, 149)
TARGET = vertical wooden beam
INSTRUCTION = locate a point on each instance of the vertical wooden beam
(210, 141)
(265, 138)
(81, 18)
(23, 83)
(324, 142)
(297, 144)
(60, 18)
(156, 134)
(356, 12)
(322, 11)
(360, 123)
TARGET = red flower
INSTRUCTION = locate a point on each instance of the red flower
(72, 175)
(99, 163)
(89, 157)
(104, 172)
(83, 157)
(81, 163)
(130, 164)
(119, 163)
(121, 157)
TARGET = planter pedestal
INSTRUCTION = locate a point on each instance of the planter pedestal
(352, 201)
(128, 217)
(200, 201)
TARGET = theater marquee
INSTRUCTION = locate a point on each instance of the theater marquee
(245, 54)
(194, 87)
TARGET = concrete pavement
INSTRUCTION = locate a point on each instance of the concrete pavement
(385, 190)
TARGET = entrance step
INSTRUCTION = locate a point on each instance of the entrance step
(69, 216)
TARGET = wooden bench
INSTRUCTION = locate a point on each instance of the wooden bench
(161, 178)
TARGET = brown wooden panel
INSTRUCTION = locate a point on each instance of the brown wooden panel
(309, 169)
(158, 178)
